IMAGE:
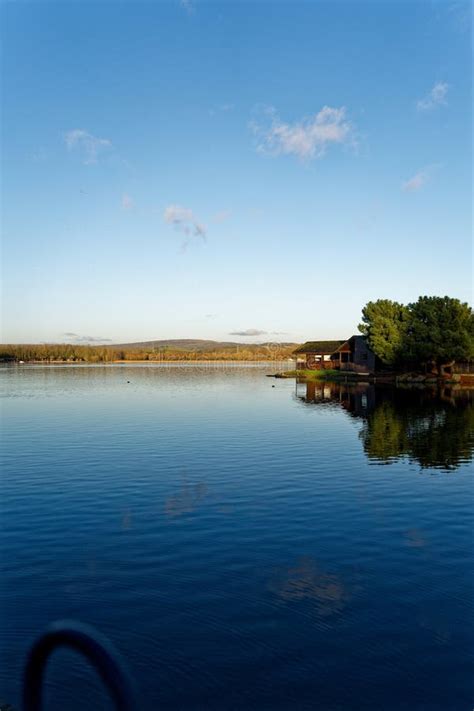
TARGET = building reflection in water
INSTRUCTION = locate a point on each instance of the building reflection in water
(431, 426)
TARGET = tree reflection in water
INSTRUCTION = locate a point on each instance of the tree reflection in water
(432, 426)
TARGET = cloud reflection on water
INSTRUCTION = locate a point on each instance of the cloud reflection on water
(306, 580)
(188, 498)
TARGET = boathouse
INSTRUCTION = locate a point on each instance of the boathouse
(352, 355)
(317, 355)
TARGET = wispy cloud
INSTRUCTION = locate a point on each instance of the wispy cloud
(184, 220)
(434, 98)
(188, 5)
(127, 202)
(308, 138)
(248, 332)
(89, 145)
(460, 15)
(39, 155)
(221, 108)
(221, 216)
(418, 181)
(77, 338)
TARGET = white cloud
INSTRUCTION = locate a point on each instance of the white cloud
(416, 182)
(185, 221)
(308, 138)
(127, 202)
(435, 97)
(89, 145)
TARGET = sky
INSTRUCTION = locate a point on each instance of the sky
(245, 171)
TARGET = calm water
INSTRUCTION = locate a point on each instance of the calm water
(246, 544)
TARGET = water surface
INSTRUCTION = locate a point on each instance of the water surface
(245, 543)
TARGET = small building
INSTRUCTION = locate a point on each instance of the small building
(352, 355)
(317, 355)
(356, 356)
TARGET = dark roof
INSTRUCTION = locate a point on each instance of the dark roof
(319, 347)
(345, 346)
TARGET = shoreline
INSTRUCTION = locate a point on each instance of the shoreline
(461, 379)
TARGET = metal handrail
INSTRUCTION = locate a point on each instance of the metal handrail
(94, 646)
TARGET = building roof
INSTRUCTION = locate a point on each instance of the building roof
(319, 347)
(345, 346)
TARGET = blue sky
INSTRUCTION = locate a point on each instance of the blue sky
(191, 169)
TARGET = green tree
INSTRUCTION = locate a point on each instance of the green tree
(439, 333)
(384, 324)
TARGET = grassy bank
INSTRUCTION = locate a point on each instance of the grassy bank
(395, 378)
(332, 375)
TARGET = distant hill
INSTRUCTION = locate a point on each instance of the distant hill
(194, 345)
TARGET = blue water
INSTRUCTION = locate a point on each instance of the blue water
(245, 543)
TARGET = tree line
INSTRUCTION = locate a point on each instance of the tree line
(432, 333)
(70, 353)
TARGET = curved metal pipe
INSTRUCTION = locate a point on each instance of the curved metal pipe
(94, 646)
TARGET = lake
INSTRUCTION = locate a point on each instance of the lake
(245, 542)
